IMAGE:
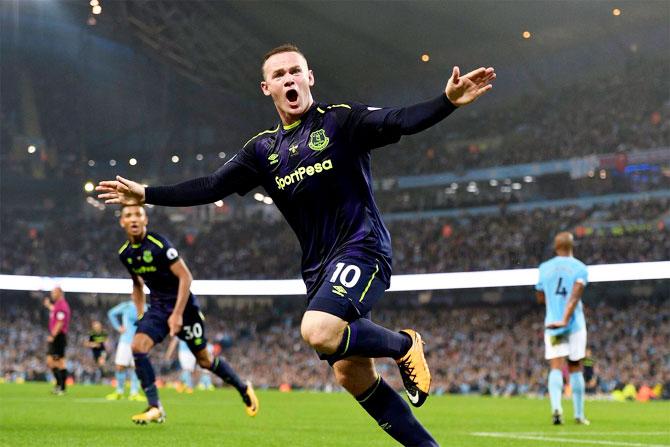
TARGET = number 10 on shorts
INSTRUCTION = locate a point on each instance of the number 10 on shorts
(348, 274)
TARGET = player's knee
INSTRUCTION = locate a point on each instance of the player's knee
(322, 332)
(320, 339)
(140, 346)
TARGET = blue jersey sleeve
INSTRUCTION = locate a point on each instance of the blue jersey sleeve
(239, 175)
(582, 275)
(382, 126)
(114, 314)
(168, 253)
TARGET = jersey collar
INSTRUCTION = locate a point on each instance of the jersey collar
(290, 127)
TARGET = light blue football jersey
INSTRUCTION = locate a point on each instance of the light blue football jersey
(127, 313)
(557, 278)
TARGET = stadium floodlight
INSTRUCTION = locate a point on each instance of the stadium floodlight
(97, 9)
(258, 196)
(91, 163)
(425, 57)
(219, 203)
(132, 162)
(88, 186)
(199, 157)
(399, 283)
(32, 149)
(175, 159)
(222, 155)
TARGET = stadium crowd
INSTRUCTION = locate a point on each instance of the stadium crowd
(597, 116)
(592, 116)
(260, 247)
(484, 349)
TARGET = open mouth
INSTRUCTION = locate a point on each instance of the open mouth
(292, 95)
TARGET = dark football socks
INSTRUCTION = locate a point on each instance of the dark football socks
(222, 369)
(63, 378)
(394, 415)
(367, 339)
(145, 372)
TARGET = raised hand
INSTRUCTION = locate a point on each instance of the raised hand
(121, 191)
(462, 90)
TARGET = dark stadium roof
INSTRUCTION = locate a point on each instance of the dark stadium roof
(220, 43)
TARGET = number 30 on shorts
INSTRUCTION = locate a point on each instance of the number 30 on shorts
(348, 274)
(193, 331)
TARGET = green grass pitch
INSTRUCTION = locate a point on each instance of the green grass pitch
(29, 415)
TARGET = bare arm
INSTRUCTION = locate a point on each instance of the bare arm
(575, 296)
(139, 298)
(171, 348)
(181, 271)
(539, 296)
(57, 328)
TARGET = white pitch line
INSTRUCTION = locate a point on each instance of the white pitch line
(593, 433)
(92, 400)
(563, 440)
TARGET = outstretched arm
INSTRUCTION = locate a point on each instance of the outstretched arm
(229, 178)
(462, 90)
(459, 91)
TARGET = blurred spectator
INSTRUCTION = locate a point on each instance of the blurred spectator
(478, 349)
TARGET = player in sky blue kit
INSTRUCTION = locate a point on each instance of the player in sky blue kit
(315, 165)
(151, 259)
(123, 318)
(186, 363)
(560, 287)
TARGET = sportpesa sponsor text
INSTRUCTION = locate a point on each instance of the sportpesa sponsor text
(297, 175)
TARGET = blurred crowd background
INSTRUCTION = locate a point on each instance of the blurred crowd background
(575, 136)
(488, 349)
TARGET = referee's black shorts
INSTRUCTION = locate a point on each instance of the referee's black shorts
(56, 348)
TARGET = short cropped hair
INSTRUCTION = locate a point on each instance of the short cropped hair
(283, 48)
(124, 206)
